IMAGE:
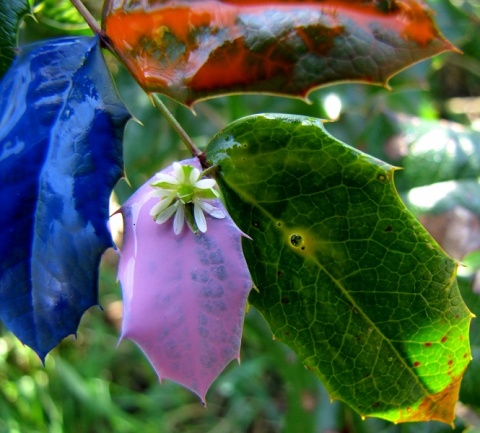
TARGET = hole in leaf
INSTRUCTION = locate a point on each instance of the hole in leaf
(297, 241)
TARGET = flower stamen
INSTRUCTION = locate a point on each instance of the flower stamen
(185, 194)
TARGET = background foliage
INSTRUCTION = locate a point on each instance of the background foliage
(428, 124)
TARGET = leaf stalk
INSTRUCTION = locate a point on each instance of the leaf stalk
(194, 150)
(88, 17)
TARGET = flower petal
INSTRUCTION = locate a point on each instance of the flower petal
(161, 206)
(207, 194)
(162, 177)
(166, 214)
(194, 176)
(179, 219)
(179, 173)
(215, 212)
(205, 184)
(162, 193)
(199, 218)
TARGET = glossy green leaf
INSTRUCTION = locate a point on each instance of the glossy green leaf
(345, 274)
(11, 12)
(471, 384)
(61, 16)
(192, 50)
(436, 151)
(472, 262)
(444, 196)
(441, 162)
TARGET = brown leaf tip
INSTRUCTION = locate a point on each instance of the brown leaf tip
(436, 407)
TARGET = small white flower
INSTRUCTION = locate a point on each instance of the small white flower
(187, 196)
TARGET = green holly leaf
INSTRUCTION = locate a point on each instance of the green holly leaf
(346, 276)
(470, 386)
(11, 13)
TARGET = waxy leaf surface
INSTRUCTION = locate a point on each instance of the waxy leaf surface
(469, 388)
(345, 275)
(441, 161)
(61, 16)
(184, 295)
(61, 128)
(11, 12)
(194, 49)
(433, 151)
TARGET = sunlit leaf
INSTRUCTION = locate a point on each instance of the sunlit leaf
(184, 295)
(441, 164)
(471, 383)
(61, 126)
(444, 196)
(434, 151)
(11, 12)
(61, 16)
(345, 275)
(197, 49)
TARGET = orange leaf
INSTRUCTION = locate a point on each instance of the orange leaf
(190, 50)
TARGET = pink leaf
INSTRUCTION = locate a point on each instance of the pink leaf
(184, 295)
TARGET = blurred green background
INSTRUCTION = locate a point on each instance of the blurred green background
(429, 124)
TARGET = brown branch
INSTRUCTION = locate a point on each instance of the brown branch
(88, 17)
(194, 150)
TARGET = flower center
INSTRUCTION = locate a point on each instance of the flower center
(187, 196)
(185, 193)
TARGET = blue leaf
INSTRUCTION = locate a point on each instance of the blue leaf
(61, 130)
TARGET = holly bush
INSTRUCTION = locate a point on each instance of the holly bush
(152, 145)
